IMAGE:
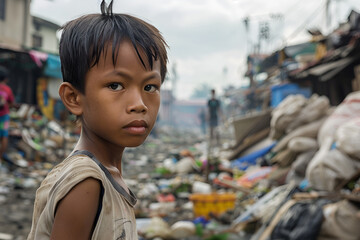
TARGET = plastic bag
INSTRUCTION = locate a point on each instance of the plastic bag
(302, 221)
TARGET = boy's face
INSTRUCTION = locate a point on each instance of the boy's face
(121, 102)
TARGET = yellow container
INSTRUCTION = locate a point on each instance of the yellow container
(215, 203)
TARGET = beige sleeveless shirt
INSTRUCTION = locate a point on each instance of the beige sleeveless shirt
(116, 220)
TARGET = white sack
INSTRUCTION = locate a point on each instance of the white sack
(286, 112)
(183, 229)
(329, 168)
(341, 221)
(184, 165)
(316, 107)
(309, 130)
(157, 228)
(347, 110)
(302, 161)
(348, 138)
(302, 144)
(201, 187)
(298, 168)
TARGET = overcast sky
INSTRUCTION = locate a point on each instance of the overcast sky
(207, 38)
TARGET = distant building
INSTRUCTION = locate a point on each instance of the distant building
(15, 23)
(20, 31)
(43, 35)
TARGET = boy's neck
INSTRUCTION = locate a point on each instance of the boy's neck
(110, 156)
(105, 157)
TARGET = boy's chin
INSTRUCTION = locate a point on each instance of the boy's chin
(132, 144)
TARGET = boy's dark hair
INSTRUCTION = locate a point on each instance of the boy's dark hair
(84, 39)
(4, 73)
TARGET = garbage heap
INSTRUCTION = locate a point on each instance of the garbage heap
(308, 169)
(296, 177)
(34, 139)
(36, 145)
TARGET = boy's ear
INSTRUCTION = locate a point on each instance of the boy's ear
(71, 98)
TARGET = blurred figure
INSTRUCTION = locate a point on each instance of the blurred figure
(155, 131)
(6, 100)
(214, 113)
(202, 117)
(251, 100)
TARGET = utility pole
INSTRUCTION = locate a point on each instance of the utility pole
(264, 33)
(327, 16)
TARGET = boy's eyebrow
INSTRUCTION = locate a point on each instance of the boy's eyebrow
(153, 74)
(119, 73)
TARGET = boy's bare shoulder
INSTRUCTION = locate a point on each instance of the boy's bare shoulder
(75, 213)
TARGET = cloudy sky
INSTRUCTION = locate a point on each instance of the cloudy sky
(208, 39)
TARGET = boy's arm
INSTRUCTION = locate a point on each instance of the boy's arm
(75, 213)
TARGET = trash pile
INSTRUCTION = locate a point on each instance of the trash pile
(295, 175)
(36, 145)
(37, 138)
(174, 199)
(301, 181)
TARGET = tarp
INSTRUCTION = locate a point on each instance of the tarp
(244, 162)
(53, 67)
(38, 57)
(50, 62)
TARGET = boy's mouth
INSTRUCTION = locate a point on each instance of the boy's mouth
(137, 127)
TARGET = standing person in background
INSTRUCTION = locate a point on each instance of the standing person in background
(214, 113)
(6, 100)
(202, 118)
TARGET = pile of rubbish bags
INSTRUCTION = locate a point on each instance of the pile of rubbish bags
(313, 152)
(300, 179)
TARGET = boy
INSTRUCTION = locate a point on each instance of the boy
(113, 66)
(6, 100)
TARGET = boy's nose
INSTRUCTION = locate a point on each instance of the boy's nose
(136, 103)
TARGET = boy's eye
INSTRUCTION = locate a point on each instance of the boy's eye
(150, 88)
(115, 86)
